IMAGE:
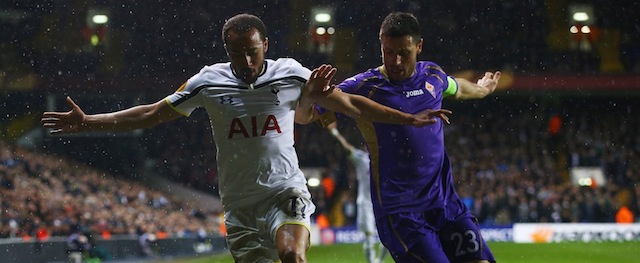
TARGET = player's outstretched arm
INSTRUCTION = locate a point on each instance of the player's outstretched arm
(483, 87)
(355, 106)
(75, 120)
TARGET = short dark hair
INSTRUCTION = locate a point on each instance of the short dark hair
(399, 24)
(242, 23)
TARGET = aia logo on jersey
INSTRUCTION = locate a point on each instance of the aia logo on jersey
(430, 89)
(253, 128)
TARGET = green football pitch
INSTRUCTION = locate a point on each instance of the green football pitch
(627, 252)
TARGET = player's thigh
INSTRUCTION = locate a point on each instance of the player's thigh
(289, 221)
(409, 238)
(245, 240)
(462, 241)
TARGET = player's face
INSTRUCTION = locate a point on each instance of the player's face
(399, 56)
(246, 52)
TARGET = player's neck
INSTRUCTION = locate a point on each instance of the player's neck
(384, 73)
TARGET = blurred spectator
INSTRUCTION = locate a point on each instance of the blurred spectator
(624, 215)
(78, 246)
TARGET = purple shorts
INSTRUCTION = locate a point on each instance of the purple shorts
(430, 237)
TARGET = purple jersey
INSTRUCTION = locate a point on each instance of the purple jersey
(410, 168)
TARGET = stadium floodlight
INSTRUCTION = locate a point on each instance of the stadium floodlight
(581, 14)
(322, 17)
(331, 30)
(100, 19)
(97, 17)
(321, 30)
(573, 30)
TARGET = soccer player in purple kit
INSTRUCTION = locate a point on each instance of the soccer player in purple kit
(419, 215)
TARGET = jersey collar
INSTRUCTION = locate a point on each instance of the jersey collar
(264, 69)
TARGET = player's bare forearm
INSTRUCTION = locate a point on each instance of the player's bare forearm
(357, 107)
(483, 87)
(137, 117)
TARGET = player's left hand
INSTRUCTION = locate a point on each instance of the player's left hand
(318, 83)
(489, 81)
(430, 116)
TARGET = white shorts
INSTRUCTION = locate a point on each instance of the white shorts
(251, 230)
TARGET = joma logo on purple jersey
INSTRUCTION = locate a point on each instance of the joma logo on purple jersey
(413, 93)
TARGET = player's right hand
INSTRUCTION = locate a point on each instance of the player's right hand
(430, 116)
(64, 122)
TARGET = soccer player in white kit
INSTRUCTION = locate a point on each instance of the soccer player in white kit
(365, 220)
(252, 103)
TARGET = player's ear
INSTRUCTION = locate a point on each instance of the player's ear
(419, 46)
(266, 44)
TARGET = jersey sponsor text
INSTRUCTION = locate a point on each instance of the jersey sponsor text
(238, 128)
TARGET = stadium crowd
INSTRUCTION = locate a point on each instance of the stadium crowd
(509, 166)
(44, 195)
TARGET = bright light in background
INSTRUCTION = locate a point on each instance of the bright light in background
(585, 182)
(313, 182)
(95, 40)
(573, 29)
(583, 30)
(580, 16)
(322, 17)
(331, 30)
(321, 30)
(100, 19)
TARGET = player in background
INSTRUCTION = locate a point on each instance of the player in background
(365, 220)
(252, 103)
(419, 215)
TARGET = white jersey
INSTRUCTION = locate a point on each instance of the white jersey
(252, 127)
